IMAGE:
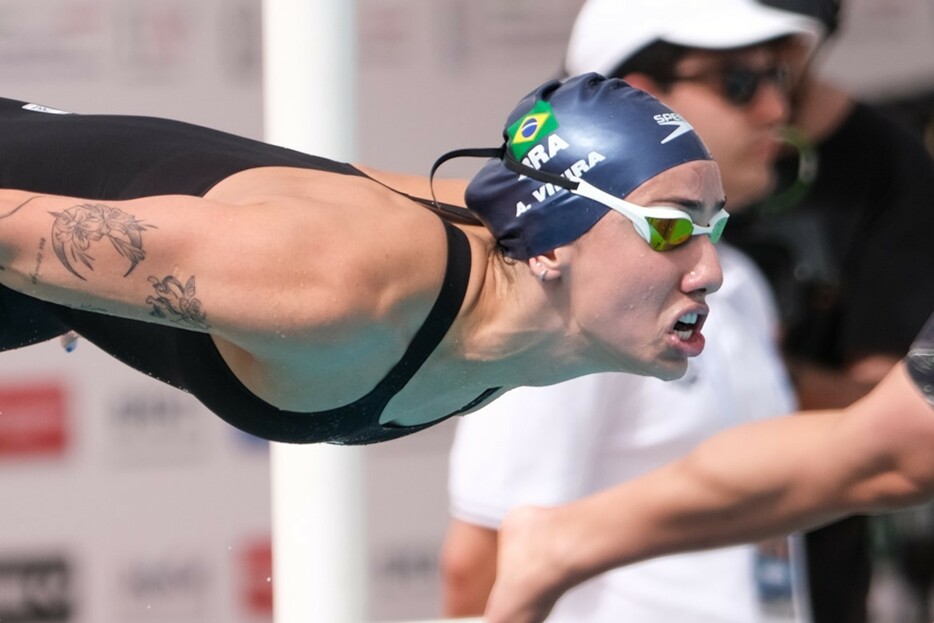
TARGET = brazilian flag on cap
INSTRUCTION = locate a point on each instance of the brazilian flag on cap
(535, 124)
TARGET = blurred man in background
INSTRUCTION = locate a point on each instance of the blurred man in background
(837, 243)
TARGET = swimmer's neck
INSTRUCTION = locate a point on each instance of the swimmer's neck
(512, 331)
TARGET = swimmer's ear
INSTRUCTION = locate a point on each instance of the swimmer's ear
(644, 83)
(547, 266)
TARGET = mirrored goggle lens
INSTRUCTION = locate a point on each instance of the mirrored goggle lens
(667, 233)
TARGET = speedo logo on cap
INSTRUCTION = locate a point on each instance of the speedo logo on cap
(538, 122)
(681, 126)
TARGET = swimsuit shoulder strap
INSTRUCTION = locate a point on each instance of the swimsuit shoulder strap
(445, 309)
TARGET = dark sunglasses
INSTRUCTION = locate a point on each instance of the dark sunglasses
(739, 85)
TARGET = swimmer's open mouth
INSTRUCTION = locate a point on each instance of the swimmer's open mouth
(687, 325)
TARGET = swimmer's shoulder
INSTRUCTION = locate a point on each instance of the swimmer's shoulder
(367, 229)
(352, 251)
(387, 204)
(248, 185)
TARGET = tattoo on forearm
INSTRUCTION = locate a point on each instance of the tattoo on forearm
(176, 302)
(75, 229)
(35, 275)
(40, 255)
(18, 208)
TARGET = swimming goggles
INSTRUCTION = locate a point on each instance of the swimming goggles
(662, 227)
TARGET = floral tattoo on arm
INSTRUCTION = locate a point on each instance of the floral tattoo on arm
(176, 302)
(75, 229)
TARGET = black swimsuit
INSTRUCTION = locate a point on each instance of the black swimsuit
(111, 157)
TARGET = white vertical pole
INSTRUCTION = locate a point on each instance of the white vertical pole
(319, 571)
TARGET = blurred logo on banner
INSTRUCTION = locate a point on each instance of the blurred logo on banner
(33, 420)
(36, 590)
(156, 427)
(404, 577)
(164, 588)
(255, 561)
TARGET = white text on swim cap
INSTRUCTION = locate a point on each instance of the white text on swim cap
(673, 118)
(538, 155)
(573, 172)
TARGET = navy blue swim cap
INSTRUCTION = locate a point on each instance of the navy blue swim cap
(600, 130)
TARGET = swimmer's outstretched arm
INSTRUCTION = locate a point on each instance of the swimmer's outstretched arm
(754, 481)
(289, 267)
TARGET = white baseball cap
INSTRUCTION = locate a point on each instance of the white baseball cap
(608, 32)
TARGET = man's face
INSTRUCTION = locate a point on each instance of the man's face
(736, 101)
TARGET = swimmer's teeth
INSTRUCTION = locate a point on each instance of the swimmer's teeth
(687, 319)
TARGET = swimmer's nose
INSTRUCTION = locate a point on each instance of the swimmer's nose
(705, 274)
